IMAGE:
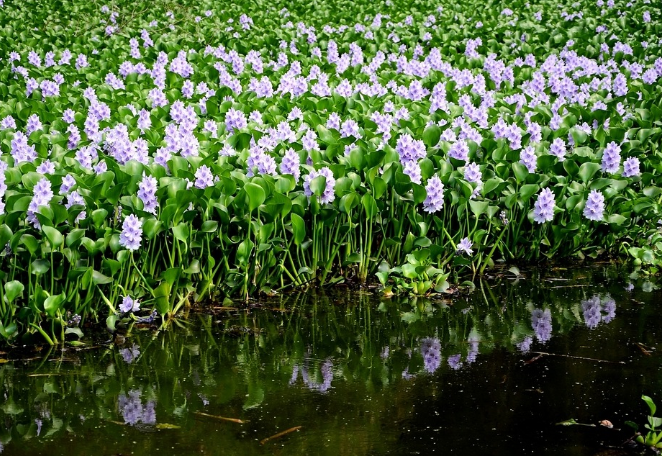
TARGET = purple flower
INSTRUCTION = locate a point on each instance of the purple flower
(410, 149)
(434, 200)
(472, 174)
(413, 170)
(42, 197)
(595, 206)
(147, 193)
(558, 149)
(235, 120)
(431, 351)
(543, 209)
(131, 234)
(631, 167)
(328, 195)
(464, 246)
(264, 162)
(33, 124)
(204, 177)
(291, 164)
(67, 184)
(611, 158)
(129, 305)
(459, 150)
(47, 167)
(528, 158)
(8, 122)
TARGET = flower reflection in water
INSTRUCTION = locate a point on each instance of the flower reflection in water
(598, 310)
(431, 351)
(311, 382)
(133, 411)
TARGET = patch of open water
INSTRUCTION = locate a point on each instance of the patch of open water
(351, 373)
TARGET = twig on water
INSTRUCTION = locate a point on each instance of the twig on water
(541, 354)
(220, 418)
(280, 434)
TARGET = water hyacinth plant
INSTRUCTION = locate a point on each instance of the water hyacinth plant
(303, 145)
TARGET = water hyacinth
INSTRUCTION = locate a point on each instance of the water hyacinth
(42, 197)
(611, 158)
(204, 177)
(631, 167)
(134, 123)
(434, 201)
(131, 234)
(464, 246)
(129, 305)
(291, 164)
(544, 206)
(595, 206)
(328, 195)
(147, 193)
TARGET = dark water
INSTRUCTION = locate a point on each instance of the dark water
(359, 374)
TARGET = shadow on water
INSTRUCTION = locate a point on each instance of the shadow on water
(349, 373)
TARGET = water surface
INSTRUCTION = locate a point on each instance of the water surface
(359, 374)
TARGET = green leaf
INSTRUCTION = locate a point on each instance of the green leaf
(478, 207)
(318, 185)
(13, 290)
(54, 303)
(244, 251)
(162, 298)
(431, 135)
(181, 232)
(210, 226)
(587, 170)
(54, 236)
(369, 205)
(650, 403)
(256, 195)
(298, 228)
(528, 190)
(100, 279)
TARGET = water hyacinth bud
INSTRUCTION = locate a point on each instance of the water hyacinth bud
(131, 234)
(464, 246)
(434, 201)
(611, 158)
(595, 206)
(328, 195)
(543, 209)
(631, 167)
(291, 164)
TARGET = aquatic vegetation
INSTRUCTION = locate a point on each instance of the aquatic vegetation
(653, 437)
(198, 151)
